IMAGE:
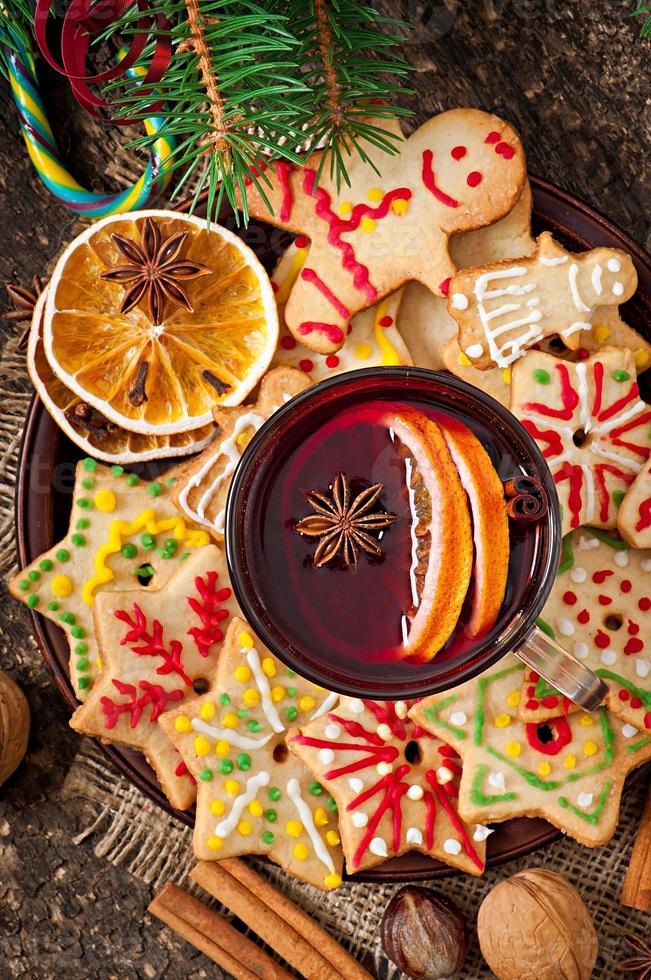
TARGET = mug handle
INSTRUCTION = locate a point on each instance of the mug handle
(559, 668)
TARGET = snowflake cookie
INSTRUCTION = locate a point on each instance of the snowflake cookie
(634, 514)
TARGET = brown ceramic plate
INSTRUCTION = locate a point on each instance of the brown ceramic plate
(46, 477)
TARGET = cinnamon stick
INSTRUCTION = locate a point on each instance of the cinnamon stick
(299, 920)
(636, 893)
(207, 931)
(299, 952)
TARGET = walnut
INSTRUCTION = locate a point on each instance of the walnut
(534, 926)
(424, 934)
(14, 726)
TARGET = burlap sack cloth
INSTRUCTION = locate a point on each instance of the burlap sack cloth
(130, 831)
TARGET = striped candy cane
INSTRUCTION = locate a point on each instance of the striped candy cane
(46, 157)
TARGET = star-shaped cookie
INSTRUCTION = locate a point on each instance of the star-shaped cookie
(157, 647)
(634, 514)
(201, 490)
(568, 770)
(505, 307)
(600, 609)
(253, 795)
(461, 170)
(396, 786)
(591, 425)
(124, 532)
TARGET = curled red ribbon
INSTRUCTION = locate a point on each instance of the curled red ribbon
(82, 21)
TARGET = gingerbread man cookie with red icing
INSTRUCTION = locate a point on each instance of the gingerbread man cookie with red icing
(591, 425)
(634, 515)
(503, 308)
(396, 786)
(461, 170)
(155, 645)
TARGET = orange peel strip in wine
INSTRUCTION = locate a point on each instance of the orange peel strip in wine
(490, 524)
(449, 566)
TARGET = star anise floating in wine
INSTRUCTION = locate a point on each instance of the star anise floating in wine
(639, 964)
(154, 271)
(343, 522)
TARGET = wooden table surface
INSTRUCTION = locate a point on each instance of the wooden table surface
(573, 78)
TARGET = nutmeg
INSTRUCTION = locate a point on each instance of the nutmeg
(534, 926)
(14, 726)
(424, 934)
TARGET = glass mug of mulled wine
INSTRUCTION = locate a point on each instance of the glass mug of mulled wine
(393, 532)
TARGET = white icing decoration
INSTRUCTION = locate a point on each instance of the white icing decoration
(612, 423)
(261, 680)
(624, 461)
(452, 846)
(584, 799)
(621, 558)
(305, 814)
(609, 657)
(227, 734)
(588, 477)
(587, 544)
(414, 836)
(618, 288)
(332, 731)
(325, 706)
(642, 667)
(645, 564)
(496, 780)
(474, 351)
(565, 627)
(550, 262)
(359, 819)
(356, 784)
(575, 327)
(572, 273)
(326, 756)
(356, 705)
(578, 574)
(378, 846)
(458, 718)
(443, 775)
(481, 832)
(534, 301)
(582, 389)
(384, 768)
(511, 349)
(581, 650)
(253, 786)
(628, 731)
(614, 265)
(459, 301)
(384, 731)
(596, 280)
(415, 792)
(401, 709)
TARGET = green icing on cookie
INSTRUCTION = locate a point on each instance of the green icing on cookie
(567, 555)
(434, 714)
(616, 543)
(545, 627)
(477, 795)
(593, 817)
(542, 377)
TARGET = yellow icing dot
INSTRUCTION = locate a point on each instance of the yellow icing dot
(506, 375)
(201, 745)
(367, 224)
(215, 843)
(307, 703)
(590, 748)
(269, 667)
(513, 749)
(243, 439)
(332, 881)
(230, 720)
(245, 640)
(222, 748)
(208, 710)
(399, 207)
(502, 721)
(320, 817)
(569, 761)
(61, 586)
(586, 720)
(464, 360)
(375, 194)
(641, 358)
(256, 808)
(183, 724)
(601, 333)
(345, 207)
(98, 664)
(277, 693)
(105, 501)
(242, 673)
(244, 827)
(301, 851)
(294, 828)
(250, 697)
(363, 351)
(217, 808)
(544, 769)
(513, 699)
(232, 787)
(332, 838)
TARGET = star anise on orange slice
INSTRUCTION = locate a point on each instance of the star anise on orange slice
(639, 963)
(343, 522)
(154, 270)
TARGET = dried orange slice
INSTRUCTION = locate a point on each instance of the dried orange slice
(444, 583)
(490, 524)
(88, 428)
(214, 353)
